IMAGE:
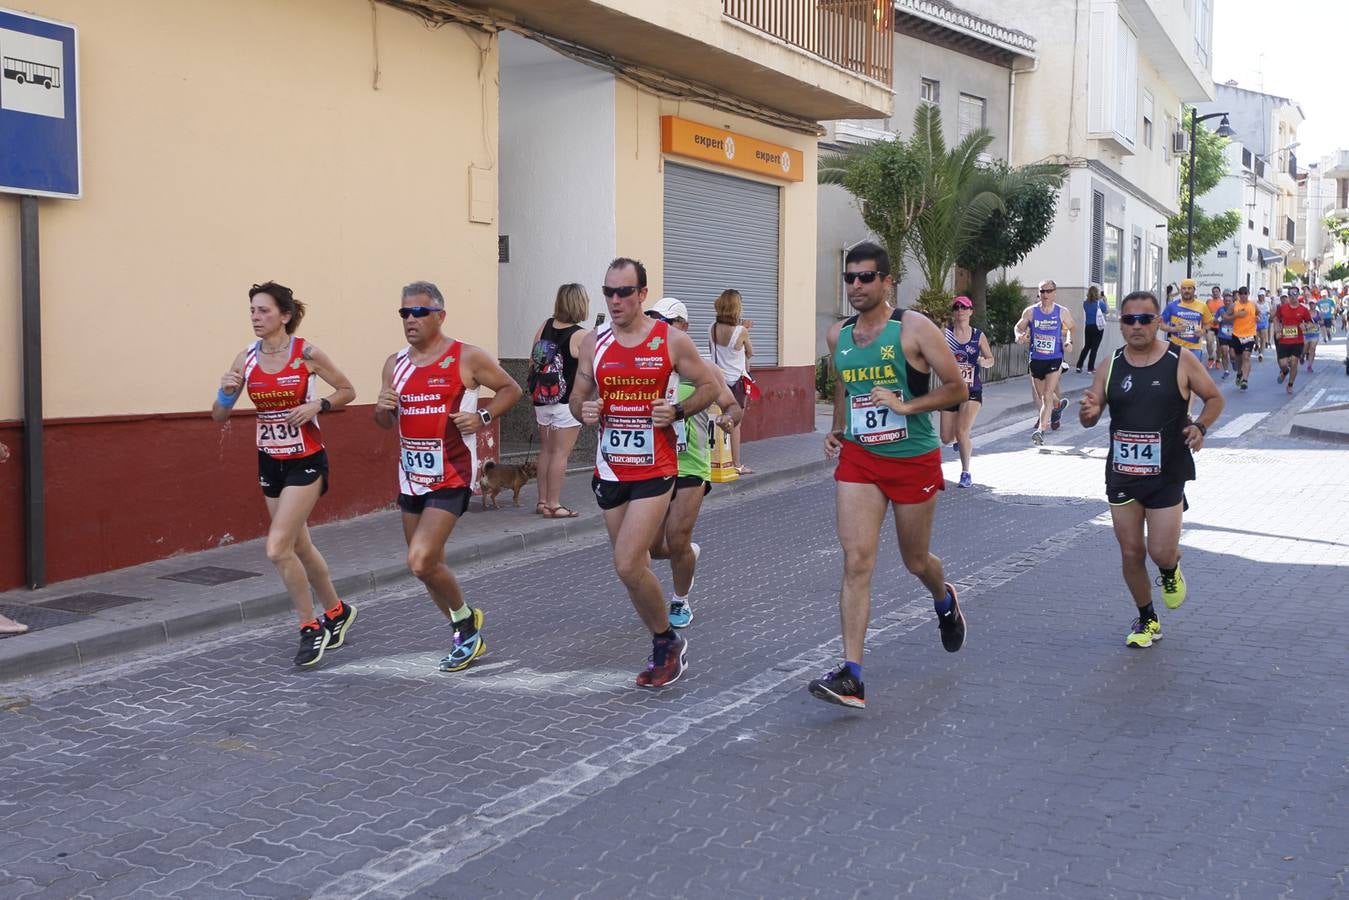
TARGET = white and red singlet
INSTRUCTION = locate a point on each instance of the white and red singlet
(630, 380)
(275, 396)
(432, 452)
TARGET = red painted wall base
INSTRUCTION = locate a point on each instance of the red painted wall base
(123, 491)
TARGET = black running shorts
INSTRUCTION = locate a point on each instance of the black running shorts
(1039, 368)
(613, 494)
(692, 481)
(275, 475)
(976, 396)
(1151, 493)
(452, 500)
(1294, 351)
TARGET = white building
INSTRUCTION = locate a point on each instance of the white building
(1332, 203)
(1105, 98)
(1246, 258)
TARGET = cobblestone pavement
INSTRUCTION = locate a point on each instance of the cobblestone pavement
(1045, 759)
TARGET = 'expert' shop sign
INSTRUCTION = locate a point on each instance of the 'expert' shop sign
(682, 137)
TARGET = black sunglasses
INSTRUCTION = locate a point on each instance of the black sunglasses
(1048, 290)
(1138, 318)
(625, 291)
(864, 277)
(420, 312)
(958, 308)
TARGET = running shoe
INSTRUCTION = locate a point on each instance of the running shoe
(1142, 634)
(1242, 384)
(338, 625)
(1310, 368)
(1226, 374)
(1037, 437)
(952, 624)
(313, 641)
(468, 644)
(965, 480)
(1283, 373)
(681, 614)
(839, 686)
(1173, 588)
(666, 662)
(1056, 417)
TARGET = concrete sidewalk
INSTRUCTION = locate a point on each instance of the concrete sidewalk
(77, 622)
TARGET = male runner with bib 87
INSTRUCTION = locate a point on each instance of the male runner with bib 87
(429, 389)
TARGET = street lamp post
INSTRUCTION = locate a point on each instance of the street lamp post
(1224, 130)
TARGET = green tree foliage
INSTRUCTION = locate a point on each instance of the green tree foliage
(1210, 166)
(1029, 197)
(1006, 302)
(886, 177)
(921, 197)
(1338, 229)
(1338, 272)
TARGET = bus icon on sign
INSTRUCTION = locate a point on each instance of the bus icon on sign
(24, 71)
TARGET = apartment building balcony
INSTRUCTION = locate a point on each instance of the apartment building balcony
(1166, 36)
(812, 59)
(1338, 165)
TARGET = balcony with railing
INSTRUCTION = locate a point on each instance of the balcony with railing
(813, 60)
(857, 35)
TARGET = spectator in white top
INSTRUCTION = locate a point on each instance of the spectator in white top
(729, 344)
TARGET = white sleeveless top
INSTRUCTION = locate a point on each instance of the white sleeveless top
(730, 360)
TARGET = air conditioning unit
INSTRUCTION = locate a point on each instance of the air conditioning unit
(1180, 142)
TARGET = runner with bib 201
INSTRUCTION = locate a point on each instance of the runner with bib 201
(1147, 389)
(970, 347)
(889, 456)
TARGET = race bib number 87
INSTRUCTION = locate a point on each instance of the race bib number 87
(1137, 452)
(872, 424)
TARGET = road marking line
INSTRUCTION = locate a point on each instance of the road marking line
(495, 824)
(1240, 425)
(1316, 398)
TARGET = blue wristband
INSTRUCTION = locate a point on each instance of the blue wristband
(226, 400)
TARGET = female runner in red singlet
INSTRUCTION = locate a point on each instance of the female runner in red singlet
(278, 370)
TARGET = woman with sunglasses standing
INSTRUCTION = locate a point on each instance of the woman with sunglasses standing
(972, 353)
(279, 370)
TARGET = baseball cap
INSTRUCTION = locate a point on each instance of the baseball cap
(669, 308)
(1187, 282)
(963, 301)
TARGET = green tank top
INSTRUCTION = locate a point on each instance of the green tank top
(693, 438)
(881, 363)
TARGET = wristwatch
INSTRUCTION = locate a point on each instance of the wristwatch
(324, 405)
(679, 411)
(486, 416)
(1200, 426)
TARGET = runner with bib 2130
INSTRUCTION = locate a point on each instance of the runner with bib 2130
(429, 389)
(889, 456)
(292, 462)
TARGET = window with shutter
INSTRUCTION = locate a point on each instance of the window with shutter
(1097, 236)
(971, 115)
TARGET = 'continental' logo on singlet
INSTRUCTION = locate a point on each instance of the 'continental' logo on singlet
(868, 373)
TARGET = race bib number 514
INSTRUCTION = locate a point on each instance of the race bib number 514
(1137, 452)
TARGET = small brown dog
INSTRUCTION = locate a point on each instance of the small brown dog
(493, 478)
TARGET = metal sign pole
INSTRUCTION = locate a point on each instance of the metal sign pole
(34, 509)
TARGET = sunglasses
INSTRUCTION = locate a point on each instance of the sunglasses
(419, 312)
(1138, 318)
(625, 291)
(1048, 290)
(958, 308)
(864, 277)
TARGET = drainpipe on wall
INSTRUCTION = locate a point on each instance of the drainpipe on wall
(1011, 102)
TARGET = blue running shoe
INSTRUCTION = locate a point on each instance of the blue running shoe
(681, 614)
(965, 480)
(468, 644)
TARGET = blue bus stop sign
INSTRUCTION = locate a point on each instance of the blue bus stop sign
(39, 107)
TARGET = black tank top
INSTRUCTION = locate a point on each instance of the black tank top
(1148, 416)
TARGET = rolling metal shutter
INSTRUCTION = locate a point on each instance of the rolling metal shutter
(722, 232)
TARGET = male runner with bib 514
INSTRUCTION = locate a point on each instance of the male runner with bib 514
(292, 463)
(889, 456)
(1147, 388)
(631, 364)
(429, 389)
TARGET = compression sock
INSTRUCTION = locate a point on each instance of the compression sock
(1147, 613)
(854, 669)
(460, 614)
